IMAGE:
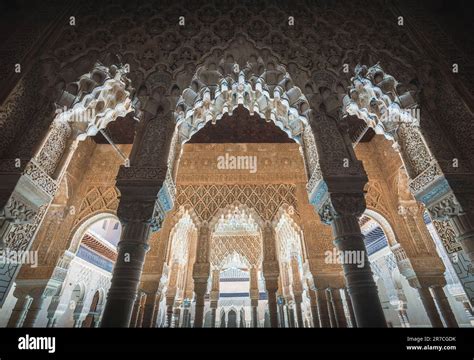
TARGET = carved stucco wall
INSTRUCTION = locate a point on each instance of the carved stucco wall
(89, 189)
(382, 164)
(325, 36)
(163, 55)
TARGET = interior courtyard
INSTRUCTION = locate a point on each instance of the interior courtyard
(185, 178)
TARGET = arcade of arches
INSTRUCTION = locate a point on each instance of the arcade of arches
(234, 186)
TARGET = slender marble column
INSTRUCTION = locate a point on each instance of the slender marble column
(289, 318)
(19, 311)
(177, 316)
(282, 317)
(444, 306)
(77, 321)
(135, 311)
(314, 308)
(272, 288)
(201, 272)
(213, 313)
(50, 322)
(185, 317)
(291, 315)
(254, 306)
(149, 310)
(350, 308)
(338, 308)
(142, 297)
(330, 307)
(430, 307)
(323, 313)
(126, 276)
(359, 279)
(33, 311)
(299, 311)
(271, 271)
(254, 295)
(200, 291)
(402, 315)
(214, 295)
(169, 311)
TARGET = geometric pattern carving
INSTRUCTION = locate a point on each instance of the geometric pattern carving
(98, 198)
(447, 235)
(271, 101)
(288, 239)
(18, 239)
(35, 172)
(247, 247)
(374, 198)
(206, 200)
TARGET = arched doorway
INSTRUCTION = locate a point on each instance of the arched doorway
(89, 261)
(232, 319)
(92, 318)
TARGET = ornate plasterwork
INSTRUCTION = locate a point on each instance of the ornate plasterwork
(273, 163)
(288, 239)
(9, 110)
(100, 97)
(445, 208)
(18, 210)
(206, 200)
(375, 199)
(97, 199)
(270, 94)
(311, 157)
(236, 221)
(236, 233)
(429, 175)
(446, 233)
(180, 239)
(373, 97)
(18, 239)
(150, 25)
(98, 100)
(202, 266)
(248, 248)
(349, 204)
(164, 202)
(34, 172)
(270, 266)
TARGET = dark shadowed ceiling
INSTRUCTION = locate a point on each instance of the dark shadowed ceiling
(241, 127)
(121, 131)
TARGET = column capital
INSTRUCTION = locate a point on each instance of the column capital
(271, 270)
(410, 208)
(254, 294)
(200, 287)
(146, 178)
(342, 204)
(201, 271)
(427, 280)
(271, 284)
(136, 210)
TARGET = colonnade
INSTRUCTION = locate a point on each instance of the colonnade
(337, 195)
